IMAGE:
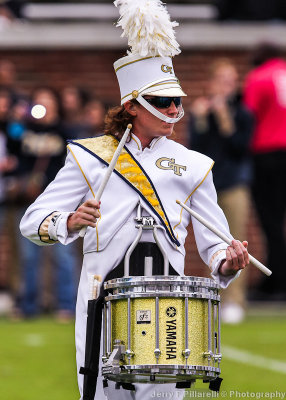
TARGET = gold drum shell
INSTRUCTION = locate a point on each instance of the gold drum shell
(179, 299)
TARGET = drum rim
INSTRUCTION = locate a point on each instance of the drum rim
(163, 280)
(175, 367)
(164, 372)
(180, 295)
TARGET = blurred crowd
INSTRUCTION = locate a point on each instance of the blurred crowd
(241, 127)
(34, 128)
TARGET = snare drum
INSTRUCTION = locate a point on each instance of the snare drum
(161, 329)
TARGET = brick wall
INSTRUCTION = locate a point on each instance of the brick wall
(94, 70)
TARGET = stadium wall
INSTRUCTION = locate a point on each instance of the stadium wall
(93, 69)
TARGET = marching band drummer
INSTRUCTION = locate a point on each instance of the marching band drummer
(152, 170)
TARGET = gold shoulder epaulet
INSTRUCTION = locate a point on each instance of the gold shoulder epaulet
(128, 168)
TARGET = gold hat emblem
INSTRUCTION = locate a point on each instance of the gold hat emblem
(135, 94)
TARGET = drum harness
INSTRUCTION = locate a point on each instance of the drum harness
(141, 259)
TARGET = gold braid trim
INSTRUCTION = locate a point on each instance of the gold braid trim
(213, 258)
(44, 229)
(104, 147)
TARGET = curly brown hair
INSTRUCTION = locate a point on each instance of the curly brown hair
(116, 121)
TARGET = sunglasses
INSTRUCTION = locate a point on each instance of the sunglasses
(164, 102)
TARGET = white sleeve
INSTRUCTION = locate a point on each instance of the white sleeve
(45, 221)
(211, 248)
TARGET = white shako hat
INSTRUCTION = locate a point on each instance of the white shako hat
(146, 75)
(148, 67)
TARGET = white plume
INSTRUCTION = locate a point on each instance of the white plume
(147, 25)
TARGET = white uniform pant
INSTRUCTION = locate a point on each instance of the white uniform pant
(101, 263)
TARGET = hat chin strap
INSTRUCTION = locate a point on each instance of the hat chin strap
(157, 113)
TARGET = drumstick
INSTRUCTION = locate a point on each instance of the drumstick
(226, 239)
(109, 171)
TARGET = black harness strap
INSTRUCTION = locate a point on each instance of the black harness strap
(92, 347)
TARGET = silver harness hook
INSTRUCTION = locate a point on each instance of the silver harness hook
(145, 223)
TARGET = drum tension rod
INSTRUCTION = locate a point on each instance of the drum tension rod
(187, 351)
(209, 354)
(129, 353)
(157, 351)
(217, 356)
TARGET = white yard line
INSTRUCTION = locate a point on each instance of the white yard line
(34, 340)
(245, 357)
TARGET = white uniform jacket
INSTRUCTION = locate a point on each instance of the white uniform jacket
(156, 177)
(173, 172)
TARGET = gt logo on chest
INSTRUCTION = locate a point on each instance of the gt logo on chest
(169, 163)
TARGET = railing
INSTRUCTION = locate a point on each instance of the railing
(102, 11)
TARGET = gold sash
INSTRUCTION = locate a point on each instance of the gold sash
(128, 168)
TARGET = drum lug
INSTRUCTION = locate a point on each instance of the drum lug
(129, 354)
(112, 365)
(186, 353)
(157, 353)
(208, 354)
(217, 357)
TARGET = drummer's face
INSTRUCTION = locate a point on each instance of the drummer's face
(146, 126)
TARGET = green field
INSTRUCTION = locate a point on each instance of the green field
(37, 360)
(254, 359)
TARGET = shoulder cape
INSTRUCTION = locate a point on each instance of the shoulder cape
(129, 169)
